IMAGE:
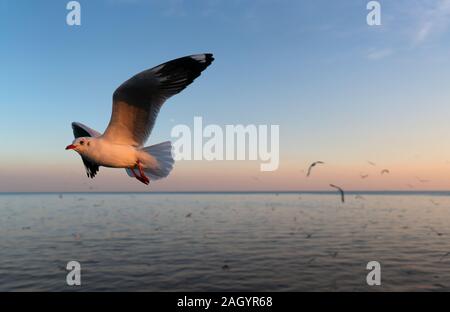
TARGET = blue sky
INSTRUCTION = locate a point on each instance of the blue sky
(340, 90)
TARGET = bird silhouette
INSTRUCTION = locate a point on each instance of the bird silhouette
(313, 165)
(340, 191)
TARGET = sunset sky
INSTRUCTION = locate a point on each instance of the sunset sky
(341, 91)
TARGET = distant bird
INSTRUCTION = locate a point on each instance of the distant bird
(422, 180)
(340, 191)
(437, 233)
(371, 163)
(225, 267)
(334, 254)
(136, 104)
(364, 176)
(439, 285)
(359, 197)
(189, 215)
(385, 171)
(434, 202)
(313, 165)
(445, 255)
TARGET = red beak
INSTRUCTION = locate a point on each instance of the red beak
(71, 146)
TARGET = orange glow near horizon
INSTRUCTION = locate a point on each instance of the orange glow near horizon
(231, 176)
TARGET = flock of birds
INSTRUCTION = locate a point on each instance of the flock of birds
(363, 176)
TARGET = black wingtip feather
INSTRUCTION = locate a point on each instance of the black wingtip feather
(79, 131)
(209, 59)
(181, 72)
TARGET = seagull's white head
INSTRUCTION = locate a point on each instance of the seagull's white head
(80, 145)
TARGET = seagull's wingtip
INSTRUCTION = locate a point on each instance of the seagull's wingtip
(206, 58)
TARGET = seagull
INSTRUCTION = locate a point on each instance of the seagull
(334, 254)
(422, 180)
(340, 191)
(313, 165)
(384, 171)
(371, 163)
(364, 176)
(434, 202)
(436, 232)
(445, 255)
(136, 104)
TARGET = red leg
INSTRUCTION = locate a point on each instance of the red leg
(145, 181)
(141, 172)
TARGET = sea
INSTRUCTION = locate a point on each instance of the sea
(296, 241)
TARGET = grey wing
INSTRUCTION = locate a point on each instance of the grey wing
(80, 130)
(309, 170)
(340, 191)
(136, 103)
(342, 195)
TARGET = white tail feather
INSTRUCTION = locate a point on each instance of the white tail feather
(162, 152)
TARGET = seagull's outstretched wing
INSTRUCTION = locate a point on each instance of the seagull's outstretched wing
(80, 130)
(136, 103)
(340, 191)
(313, 165)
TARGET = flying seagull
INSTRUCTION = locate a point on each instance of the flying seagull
(371, 163)
(364, 176)
(340, 191)
(422, 180)
(445, 255)
(136, 104)
(384, 171)
(437, 233)
(313, 165)
(434, 202)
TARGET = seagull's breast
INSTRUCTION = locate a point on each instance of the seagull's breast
(111, 155)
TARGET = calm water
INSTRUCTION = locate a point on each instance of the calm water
(224, 242)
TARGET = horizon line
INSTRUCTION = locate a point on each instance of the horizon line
(230, 192)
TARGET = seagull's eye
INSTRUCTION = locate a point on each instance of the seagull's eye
(81, 142)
